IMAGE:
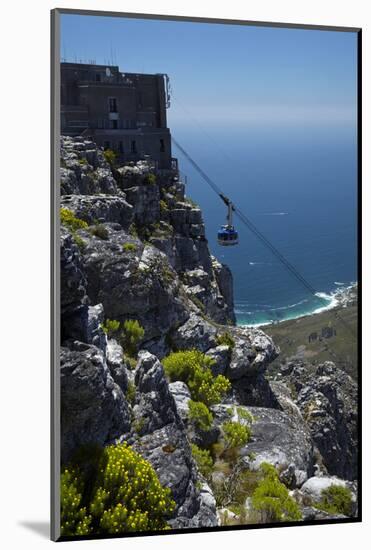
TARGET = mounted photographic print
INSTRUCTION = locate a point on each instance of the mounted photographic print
(206, 277)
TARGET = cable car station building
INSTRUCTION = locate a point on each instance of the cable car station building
(125, 112)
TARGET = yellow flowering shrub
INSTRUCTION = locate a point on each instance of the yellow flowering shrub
(124, 495)
(74, 518)
(69, 219)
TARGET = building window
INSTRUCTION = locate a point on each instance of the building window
(121, 146)
(134, 146)
(97, 77)
(114, 125)
(112, 103)
(106, 145)
(162, 146)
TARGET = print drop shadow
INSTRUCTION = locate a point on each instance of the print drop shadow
(41, 528)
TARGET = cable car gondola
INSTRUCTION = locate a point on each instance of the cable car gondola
(227, 235)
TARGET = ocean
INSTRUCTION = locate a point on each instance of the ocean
(299, 187)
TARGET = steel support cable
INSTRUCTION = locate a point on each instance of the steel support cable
(248, 223)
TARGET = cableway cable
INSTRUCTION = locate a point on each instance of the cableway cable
(251, 226)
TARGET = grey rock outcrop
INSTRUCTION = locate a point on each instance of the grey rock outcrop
(84, 170)
(309, 513)
(116, 364)
(276, 438)
(73, 281)
(93, 407)
(99, 208)
(196, 332)
(137, 284)
(182, 396)
(314, 486)
(327, 399)
(221, 355)
(311, 491)
(146, 203)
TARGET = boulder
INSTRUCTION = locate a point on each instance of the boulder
(221, 356)
(93, 407)
(155, 406)
(224, 280)
(182, 396)
(99, 208)
(73, 281)
(327, 399)
(196, 332)
(281, 441)
(145, 200)
(116, 365)
(309, 513)
(242, 360)
(276, 438)
(314, 486)
(84, 170)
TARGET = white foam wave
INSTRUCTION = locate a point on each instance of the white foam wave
(333, 299)
(290, 306)
(275, 213)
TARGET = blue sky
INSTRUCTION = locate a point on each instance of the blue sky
(229, 74)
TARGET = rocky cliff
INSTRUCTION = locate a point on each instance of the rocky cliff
(133, 247)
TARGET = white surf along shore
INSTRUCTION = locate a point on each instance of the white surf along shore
(343, 296)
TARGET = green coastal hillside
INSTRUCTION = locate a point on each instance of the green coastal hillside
(318, 338)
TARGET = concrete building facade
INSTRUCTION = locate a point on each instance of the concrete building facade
(125, 112)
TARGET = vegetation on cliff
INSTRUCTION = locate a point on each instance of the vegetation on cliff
(112, 490)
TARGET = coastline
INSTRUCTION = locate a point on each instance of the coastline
(342, 296)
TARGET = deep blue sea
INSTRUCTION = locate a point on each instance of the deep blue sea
(299, 187)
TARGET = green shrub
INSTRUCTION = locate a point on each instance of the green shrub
(150, 179)
(200, 415)
(336, 500)
(122, 494)
(208, 389)
(129, 247)
(130, 362)
(245, 415)
(69, 219)
(100, 231)
(80, 243)
(132, 333)
(163, 206)
(130, 392)
(83, 162)
(271, 498)
(193, 368)
(235, 434)
(111, 327)
(203, 460)
(225, 339)
(110, 156)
